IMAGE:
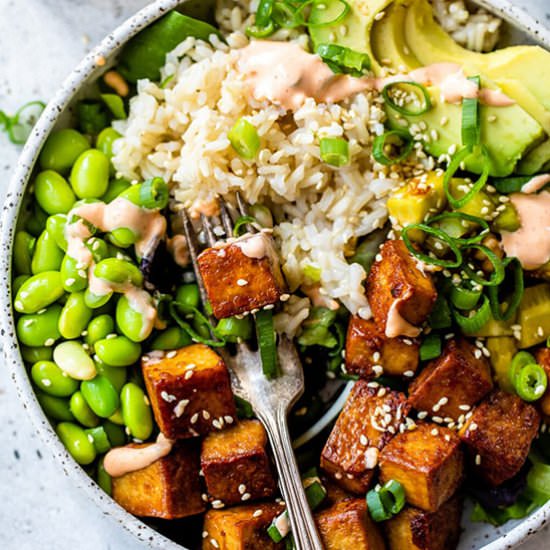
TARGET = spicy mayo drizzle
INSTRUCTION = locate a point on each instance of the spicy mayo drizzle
(123, 460)
(397, 326)
(284, 73)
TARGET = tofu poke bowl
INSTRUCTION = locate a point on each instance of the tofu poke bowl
(364, 181)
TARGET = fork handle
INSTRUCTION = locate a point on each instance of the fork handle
(302, 523)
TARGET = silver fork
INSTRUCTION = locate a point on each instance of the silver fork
(270, 399)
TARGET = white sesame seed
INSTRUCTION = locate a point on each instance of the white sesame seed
(371, 458)
(338, 475)
(464, 407)
(165, 396)
(188, 374)
(194, 418)
(49, 342)
(246, 496)
(217, 504)
(204, 534)
(363, 440)
(478, 460)
(228, 419)
(257, 513)
(378, 370)
(422, 414)
(284, 297)
(408, 373)
(171, 354)
(242, 282)
(180, 407)
(435, 431)
(214, 543)
(242, 488)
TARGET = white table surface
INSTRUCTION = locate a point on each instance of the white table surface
(40, 42)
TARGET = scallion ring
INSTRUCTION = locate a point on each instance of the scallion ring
(381, 142)
(520, 360)
(255, 31)
(154, 194)
(496, 277)
(427, 103)
(263, 13)
(267, 343)
(464, 298)
(530, 382)
(438, 234)
(454, 165)
(376, 507)
(345, 10)
(393, 496)
(476, 319)
(240, 223)
(342, 59)
(430, 347)
(334, 151)
(466, 218)
(517, 293)
(471, 128)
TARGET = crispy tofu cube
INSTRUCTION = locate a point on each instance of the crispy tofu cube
(370, 418)
(190, 391)
(348, 525)
(398, 290)
(169, 488)
(367, 347)
(235, 464)
(335, 493)
(543, 359)
(498, 436)
(427, 461)
(241, 528)
(242, 276)
(415, 529)
(453, 383)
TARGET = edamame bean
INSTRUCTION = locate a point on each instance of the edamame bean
(75, 316)
(119, 272)
(36, 221)
(55, 226)
(116, 187)
(39, 329)
(117, 418)
(99, 439)
(96, 301)
(76, 442)
(116, 434)
(98, 248)
(74, 277)
(53, 193)
(131, 322)
(61, 150)
(52, 380)
(72, 358)
(90, 174)
(82, 412)
(98, 328)
(47, 255)
(136, 411)
(171, 338)
(34, 354)
(116, 375)
(188, 297)
(123, 237)
(201, 327)
(23, 249)
(18, 283)
(56, 408)
(101, 395)
(233, 329)
(105, 140)
(38, 292)
(118, 351)
(103, 478)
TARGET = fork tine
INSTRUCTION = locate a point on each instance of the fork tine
(226, 218)
(208, 230)
(243, 211)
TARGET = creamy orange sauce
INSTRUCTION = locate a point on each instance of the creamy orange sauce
(123, 460)
(254, 246)
(536, 183)
(179, 249)
(531, 242)
(397, 326)
(285, 74)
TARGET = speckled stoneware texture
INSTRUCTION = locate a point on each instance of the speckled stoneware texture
(478, 536)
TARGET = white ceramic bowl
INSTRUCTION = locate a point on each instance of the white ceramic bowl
(476, 536)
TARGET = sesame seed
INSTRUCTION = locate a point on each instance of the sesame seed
(49, 342)
(214, 543)
(378, 370)
(194, 418)
(228, 419)
(188, 374)
(473, 427)
(363, 440)
(204, 534)
(376, 356)
(478, 460)
(284, 297)
(217, 504)
(435, 431)
(217, 424)
(205, 415)
(371, 458)
(204, 497)
(338, 475)
(257, 513)
(165, 396)
(242, 488)
(408, 373)
(437, 419)
(422, 414)
(180, 407)
(464, 407)
(171, 354)
(242, 282)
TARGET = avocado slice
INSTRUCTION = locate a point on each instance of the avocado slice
(536, 161)
(507, 132)
(388, 40)
(353, 31)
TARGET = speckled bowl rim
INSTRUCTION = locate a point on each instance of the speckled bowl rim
(84, 73)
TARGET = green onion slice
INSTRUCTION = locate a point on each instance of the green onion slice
(425, 106)
(154, 194)
(454, 165)
(510, 185)
(115, 104)
(316, 22)
(240, 223)
(517, 294)
(441, 316)
(393, 496)
(263, 13)
(232, 329)
(267, 342)
(530, 382)
(381, 142)
(471, 128)
(430, 347)
(342, 59)
(475, 320)
(497, 276)
(195, 336)
(376, 507)
(334, 151)
(462, 216)
(538, 483)
(520, 360)
(19, 126)
(464, 298)
(255, 31)
(244, 139)
(439, 234)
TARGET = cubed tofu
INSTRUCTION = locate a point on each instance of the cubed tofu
(368, 347)
(453, 383)
(190, 391)
(415, 529)
(169, 488)
(348, 525)
(236, 465)
(427, 461)
(242, 276)
(398, 290)
(370, 418)
(543, 359)
(335, 493)
(241, 527)
(498, 436)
